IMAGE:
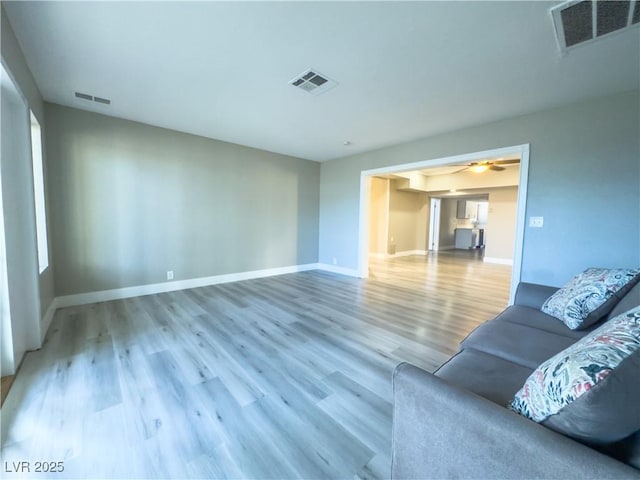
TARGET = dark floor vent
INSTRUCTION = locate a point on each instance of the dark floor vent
(577, 22)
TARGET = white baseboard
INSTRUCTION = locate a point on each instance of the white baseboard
(139, 290)
(404, 253)
(501, 261)
(407, 253)
(46, 320)
(351, 272)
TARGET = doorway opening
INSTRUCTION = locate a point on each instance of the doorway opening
(469, 203)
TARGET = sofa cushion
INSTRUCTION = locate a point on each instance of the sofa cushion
(491, 377)
(534, 318)
(626, 450)
(590, 391)
(590, 295)
(519, 344)
(533, 295)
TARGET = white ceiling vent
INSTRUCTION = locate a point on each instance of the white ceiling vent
(578, 22)
(311, 81)
(91, 98)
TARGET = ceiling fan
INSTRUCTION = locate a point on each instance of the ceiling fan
(495, 165)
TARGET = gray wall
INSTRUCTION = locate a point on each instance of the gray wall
(584, 178)
(500, 231)
(408, 216)
(131, 201)
(379, 216)
(448, 222)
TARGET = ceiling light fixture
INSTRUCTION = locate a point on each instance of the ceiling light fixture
(495, 165)
(479, 168)
(346, 143)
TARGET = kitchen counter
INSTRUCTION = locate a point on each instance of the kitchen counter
(467, 238)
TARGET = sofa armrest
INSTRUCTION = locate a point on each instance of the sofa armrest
(443, 431)
(533, 295)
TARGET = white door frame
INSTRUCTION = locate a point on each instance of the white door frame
(521, 150)
(434, 225)
(20, 309)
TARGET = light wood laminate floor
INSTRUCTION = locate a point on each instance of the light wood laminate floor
(5, 385)
(281, 377)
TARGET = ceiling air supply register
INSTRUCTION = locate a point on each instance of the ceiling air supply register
(313, 82)
(91, 98)
(584, 21)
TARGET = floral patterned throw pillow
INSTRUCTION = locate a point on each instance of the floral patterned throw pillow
(573, 373)
(590, 295)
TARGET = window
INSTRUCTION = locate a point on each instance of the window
(38, 191)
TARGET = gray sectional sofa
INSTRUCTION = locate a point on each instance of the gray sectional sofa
(455, 423)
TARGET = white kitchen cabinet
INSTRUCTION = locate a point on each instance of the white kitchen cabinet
(467, 209)
(465, 238)
(483, 213)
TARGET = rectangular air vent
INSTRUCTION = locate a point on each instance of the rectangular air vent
(311, 81)
(84, 96)
(578, 22)
(91, 98)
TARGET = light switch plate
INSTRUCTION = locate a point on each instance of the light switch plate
(536, 222)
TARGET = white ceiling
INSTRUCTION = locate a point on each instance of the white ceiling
(405, 69)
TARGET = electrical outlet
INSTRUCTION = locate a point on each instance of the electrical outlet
(169, 274)
(335, 261)
(536, 222)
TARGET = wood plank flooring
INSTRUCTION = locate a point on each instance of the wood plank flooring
(5, 386)
(281, 377)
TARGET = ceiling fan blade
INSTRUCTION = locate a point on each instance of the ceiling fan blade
(496, 168)
(507, 162)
